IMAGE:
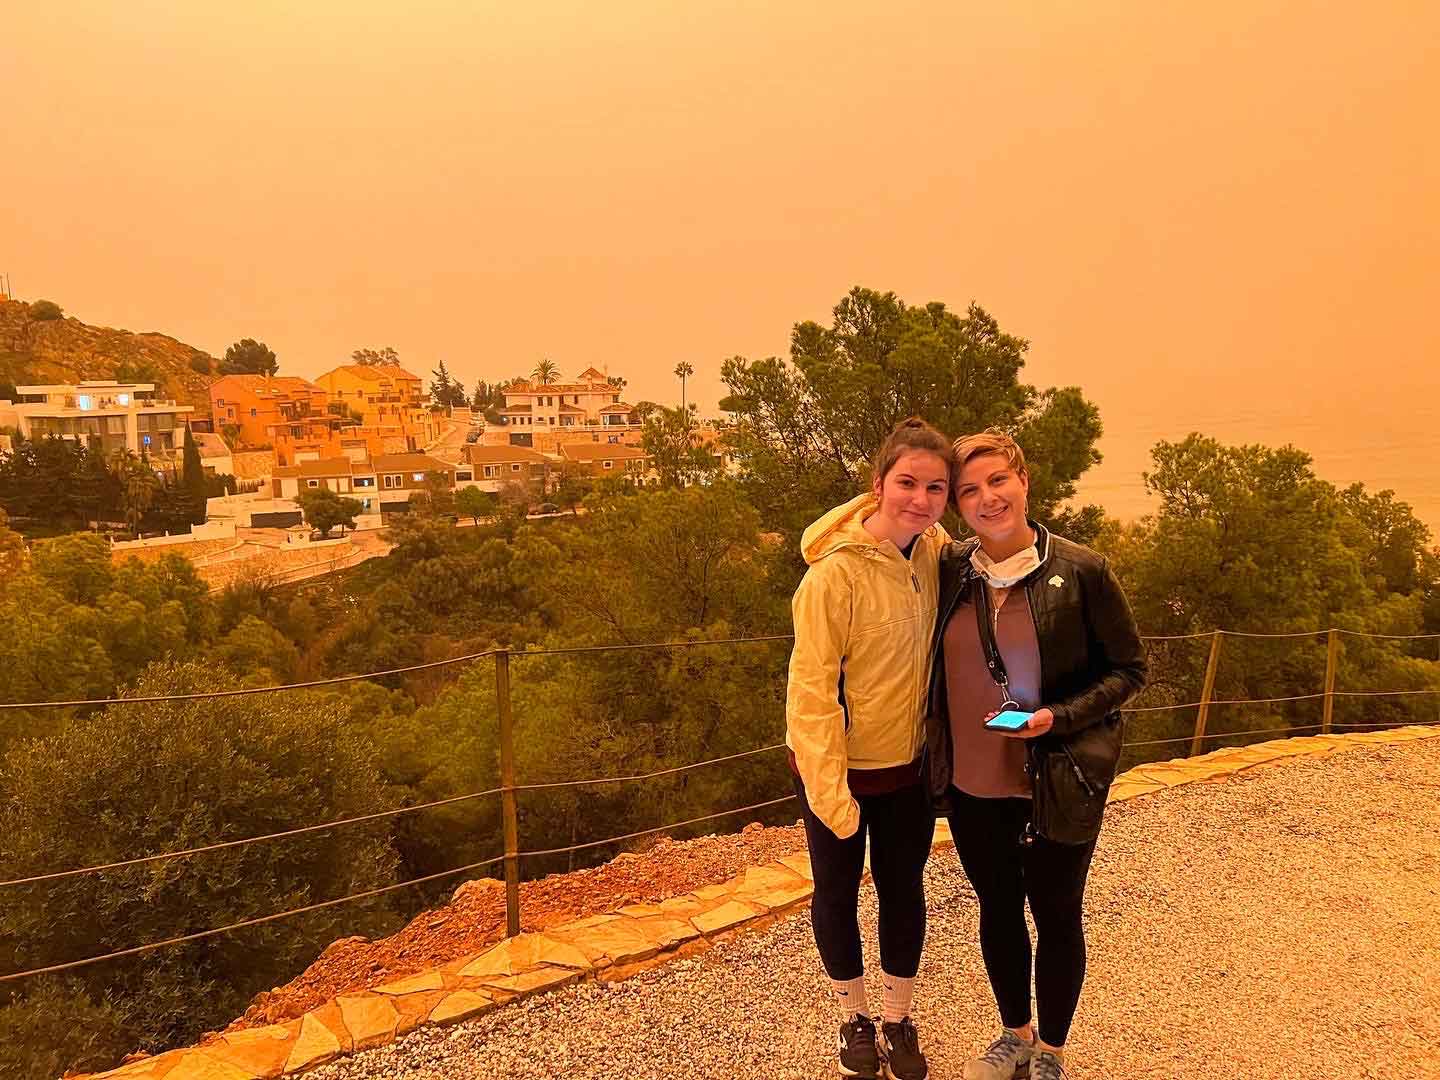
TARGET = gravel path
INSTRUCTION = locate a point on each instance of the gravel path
(1288, 919)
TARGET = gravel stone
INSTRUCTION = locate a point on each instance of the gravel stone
(1283, 923)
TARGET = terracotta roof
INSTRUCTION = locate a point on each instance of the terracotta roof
(375, 372)
(503, 455)
(571, 408)
(589, 452)
(516, 409)
(619, 406)
(322, 469)
(273, 384)
(410, 463)
(590, 372)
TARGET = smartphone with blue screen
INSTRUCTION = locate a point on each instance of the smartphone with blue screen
(1009, 720)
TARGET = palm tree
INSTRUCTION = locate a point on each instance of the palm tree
(545, 372)
(683, 371)
(137, 487)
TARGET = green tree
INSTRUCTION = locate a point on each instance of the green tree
(181, 774)
(475, 504)
(545, 372)
(200, 364)
(1249, 539)
(13, 555)
(325, 509)
(679, 457)
(46, 311)
(193, 479)
(249, 357)
(375, 357)
(138, 487)
(445, 390)
(806, 428)
(259, 653)
(77, 566)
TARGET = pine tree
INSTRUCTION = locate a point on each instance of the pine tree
(193, 480)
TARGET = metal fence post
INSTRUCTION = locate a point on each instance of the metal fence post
(1332, 657)
(507, 793)
(1207, 693)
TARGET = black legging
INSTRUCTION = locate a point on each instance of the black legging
(901, 827)
(1004, 873)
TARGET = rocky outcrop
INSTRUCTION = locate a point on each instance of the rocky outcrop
(68, 350)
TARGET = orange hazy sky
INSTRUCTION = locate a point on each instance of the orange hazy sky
(1224, 218)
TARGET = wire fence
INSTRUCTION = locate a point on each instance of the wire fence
(510, 788)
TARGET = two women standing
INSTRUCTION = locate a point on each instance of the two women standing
(906, 644)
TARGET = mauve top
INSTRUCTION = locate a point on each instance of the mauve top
(987, 764)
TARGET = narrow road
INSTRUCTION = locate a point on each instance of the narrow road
(1284, 923)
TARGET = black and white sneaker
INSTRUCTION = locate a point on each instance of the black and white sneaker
(859, 1056)
(900, 1048)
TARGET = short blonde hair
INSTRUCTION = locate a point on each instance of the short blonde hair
(968, 447)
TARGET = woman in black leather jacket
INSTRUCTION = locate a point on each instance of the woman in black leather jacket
(1037, 623)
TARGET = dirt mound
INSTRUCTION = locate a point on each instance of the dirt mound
(475, 916)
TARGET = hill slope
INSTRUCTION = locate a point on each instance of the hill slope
(68, 350)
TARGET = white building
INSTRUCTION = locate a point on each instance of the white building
(589, 401)
(107, 415)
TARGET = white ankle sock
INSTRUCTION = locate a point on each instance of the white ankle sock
(898, 995)
(850, 993)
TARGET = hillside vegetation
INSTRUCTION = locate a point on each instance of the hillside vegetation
(56, 350)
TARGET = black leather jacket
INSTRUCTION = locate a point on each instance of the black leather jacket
(1091, 663)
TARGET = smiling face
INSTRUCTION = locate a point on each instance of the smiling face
(991, 497)
(913, 493)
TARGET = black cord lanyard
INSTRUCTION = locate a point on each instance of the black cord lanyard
(985, 621)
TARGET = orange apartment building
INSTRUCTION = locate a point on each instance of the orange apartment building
(391, 401)
(292, 415)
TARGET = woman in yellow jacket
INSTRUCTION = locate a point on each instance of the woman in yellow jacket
(863, 616)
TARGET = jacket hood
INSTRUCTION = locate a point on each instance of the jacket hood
(838, 528)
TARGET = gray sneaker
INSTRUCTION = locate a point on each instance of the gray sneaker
(1008, 1057)
(1046, 1066)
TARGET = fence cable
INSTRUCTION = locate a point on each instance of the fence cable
(658, 828)
(183, 938)
(166, 855)
(644, 776)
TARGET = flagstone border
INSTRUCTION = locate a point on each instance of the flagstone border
(615, 945)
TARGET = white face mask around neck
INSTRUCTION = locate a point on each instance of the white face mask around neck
(1003, 574)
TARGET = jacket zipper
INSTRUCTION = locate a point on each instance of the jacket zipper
(1079, 775)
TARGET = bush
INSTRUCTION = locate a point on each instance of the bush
(56, 1026)
(140, 779)
(46, 311)
(200, 365)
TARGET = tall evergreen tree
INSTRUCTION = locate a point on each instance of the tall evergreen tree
(192, 481)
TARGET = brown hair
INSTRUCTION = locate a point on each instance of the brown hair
(969, 447)
(908, 435)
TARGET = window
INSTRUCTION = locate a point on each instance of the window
(607, 464)
(461, 477)
(491, 470)
(252, 412)
(85, 401)
(418, 477)
(219, 401)
(515, 467)
(365, 481)
(124, 399)
(614, 399)
(392, 480)
(312, 483)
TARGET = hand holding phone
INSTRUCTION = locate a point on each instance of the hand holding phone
(1008, 720)
(1016, 724)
